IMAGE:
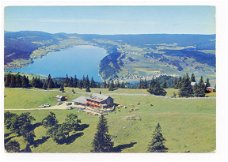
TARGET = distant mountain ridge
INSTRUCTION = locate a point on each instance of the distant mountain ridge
(200, 41)
(130, 56)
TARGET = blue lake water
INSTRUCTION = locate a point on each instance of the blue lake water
(78, 60)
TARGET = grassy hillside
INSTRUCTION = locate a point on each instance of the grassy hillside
(187, 124)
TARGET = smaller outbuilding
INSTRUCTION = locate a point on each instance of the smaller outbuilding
(210, 89)
(61, 98)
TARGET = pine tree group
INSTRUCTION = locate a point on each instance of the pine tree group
(199, 89)
(143, 84)
(156, 89)
(188, 87)
(16, 80)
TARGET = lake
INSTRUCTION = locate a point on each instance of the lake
(78, 60)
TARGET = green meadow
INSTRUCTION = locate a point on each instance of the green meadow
(187, 124)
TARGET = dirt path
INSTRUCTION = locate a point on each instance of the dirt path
(55, 107)
(49, 108)
(128, 94)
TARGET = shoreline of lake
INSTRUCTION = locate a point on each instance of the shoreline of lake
(43, 51)
(72, 51)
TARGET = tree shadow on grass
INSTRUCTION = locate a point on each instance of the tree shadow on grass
(40, 141)
(81, 127)
(71, 138)
(6, 140)
(27, 149)
(7, 134)
(34, 126)
(120, 148)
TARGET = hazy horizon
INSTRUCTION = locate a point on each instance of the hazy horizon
(112, 20)
(112, 34)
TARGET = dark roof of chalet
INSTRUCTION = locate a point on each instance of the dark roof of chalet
(94, 97)
(98, 97)
(81, 100)
(194, 83)
(210, 87)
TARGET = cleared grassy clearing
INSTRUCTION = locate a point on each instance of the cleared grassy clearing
(31, 98)
(188, 125)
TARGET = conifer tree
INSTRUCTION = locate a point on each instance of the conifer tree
(12, 146)
(207, 83)
(9, 119)
(152, 83)
(80, 84)
(145, 84)
(105, 84)
(75, 81)
(122, 85)
(175, 83)
(92, 83)
(157, 90)
(71, 80)
(140, 83)
(50, 120)
(60, 132)
(87, 82)
(29, 136)
(33, 82)
(193, 78)
(12, 81)
(118, 83)
(84, 81)
(19, 124)
(88, 89)
(73, 121)
(111, 86)
(73, 91)
(157, 143)
(196, 90)
(7, 80)
(102, 141)
(186, 89)
(201, 88)
(45, 85)
(179, 82)
(18, 80)
(56, 85)
(66, 81)
(62, 88)
(25, 82)
(49, 77)
(39, 83)
(165, 85)
(51, 84)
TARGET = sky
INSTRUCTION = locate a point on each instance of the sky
(112, 19)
